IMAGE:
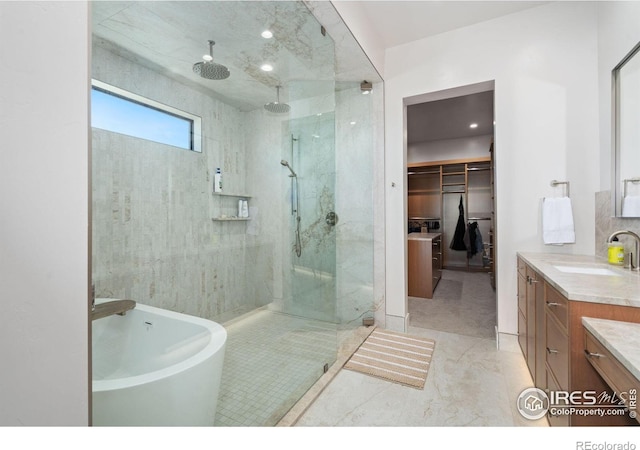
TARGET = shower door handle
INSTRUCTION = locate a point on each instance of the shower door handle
(331, 219)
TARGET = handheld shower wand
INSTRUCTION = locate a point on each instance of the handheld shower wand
(286, 164)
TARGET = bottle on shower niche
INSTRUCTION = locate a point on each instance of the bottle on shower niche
(217, 181)
(245, 209)
(240, 208)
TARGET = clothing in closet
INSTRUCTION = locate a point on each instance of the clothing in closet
(457, 243)
(475, 244)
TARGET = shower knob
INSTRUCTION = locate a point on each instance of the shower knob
(331, 219)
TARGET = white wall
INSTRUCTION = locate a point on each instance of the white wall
(544, 63)
(618, 33)
(44, 226)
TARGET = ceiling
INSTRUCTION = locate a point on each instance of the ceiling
(397, 22)
(450, 118)
(170, 36)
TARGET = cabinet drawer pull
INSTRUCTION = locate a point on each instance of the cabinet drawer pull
(552, 351)
(553, 304)
(434, 258)
(593, 355)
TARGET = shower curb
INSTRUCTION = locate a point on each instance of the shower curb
(348, 348)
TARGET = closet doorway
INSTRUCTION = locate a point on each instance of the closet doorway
(451, 210)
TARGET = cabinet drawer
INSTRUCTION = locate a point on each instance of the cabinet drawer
(610, 369)
(557, 352)
(557, 305)
(555, 420)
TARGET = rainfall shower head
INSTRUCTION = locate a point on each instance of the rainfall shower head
(277, 107)
(286, 164)
(210, 70)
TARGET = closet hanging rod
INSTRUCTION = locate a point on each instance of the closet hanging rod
(479, 218)
(556, 182)
(432, 172)
(478, 168)
(433, 219)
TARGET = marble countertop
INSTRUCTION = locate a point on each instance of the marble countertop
(424, 236)
(622, 339)
(622, 288)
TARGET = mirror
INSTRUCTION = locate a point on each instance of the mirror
(626, 135)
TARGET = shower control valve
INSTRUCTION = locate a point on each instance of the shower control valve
(331, 219)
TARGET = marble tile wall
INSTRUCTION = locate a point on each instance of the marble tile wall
(607, 224)
(153, 237)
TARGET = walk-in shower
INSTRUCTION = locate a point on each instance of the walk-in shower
(286, 283)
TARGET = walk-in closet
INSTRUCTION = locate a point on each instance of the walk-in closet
(441, 194)
(451, 213)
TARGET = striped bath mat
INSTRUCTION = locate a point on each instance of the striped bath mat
(394, 357)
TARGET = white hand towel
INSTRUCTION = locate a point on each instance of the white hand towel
(631, 206)
(557, 221)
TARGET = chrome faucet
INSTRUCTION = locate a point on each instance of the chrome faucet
(632, 265)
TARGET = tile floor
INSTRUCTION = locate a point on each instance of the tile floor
(470, 382)
(271, 360)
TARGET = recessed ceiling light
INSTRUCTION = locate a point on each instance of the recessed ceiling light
(267, 67)
(267, 34)
(353, 122)
(473, 125)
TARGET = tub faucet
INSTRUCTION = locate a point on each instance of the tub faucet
(106, 309)
(636, 255)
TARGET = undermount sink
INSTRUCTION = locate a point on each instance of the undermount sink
(587, 270)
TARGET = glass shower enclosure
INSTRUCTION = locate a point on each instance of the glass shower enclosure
(293, 277)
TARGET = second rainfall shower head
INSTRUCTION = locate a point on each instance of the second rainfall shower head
(210, 70)
(277, 107)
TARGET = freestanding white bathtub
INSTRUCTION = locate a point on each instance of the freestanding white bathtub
(154, 367)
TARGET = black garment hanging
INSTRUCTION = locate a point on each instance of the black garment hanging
(457, 243)
(473, 236)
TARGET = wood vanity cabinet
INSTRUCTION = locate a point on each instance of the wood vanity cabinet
(553, 343)
(425, 265)
(616, 375)
(531, 320)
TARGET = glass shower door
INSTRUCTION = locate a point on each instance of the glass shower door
(313, 267)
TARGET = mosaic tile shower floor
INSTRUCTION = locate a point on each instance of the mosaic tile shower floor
(271, 360)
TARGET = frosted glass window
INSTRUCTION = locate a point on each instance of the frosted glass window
(114, 109)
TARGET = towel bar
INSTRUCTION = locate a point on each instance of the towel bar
(556, 182)
(629, 180)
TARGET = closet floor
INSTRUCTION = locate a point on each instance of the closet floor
(463, 303)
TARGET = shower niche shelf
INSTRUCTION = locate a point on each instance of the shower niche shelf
(225, 194)
(231, 219)
(226, 210)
